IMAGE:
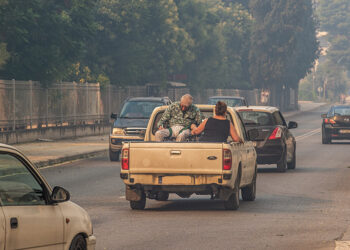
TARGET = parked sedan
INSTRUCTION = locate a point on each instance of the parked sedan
(336, 124)
(32, 215)
(275, 144)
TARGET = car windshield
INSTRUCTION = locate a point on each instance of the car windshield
(342, 111)
(231, 102)
(257, 118)
(139, 109)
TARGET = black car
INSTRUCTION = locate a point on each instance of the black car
(275, 143)
(132, 122)
(231, 101)
(336, 124)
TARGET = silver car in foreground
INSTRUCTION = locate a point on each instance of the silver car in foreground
(32, 215)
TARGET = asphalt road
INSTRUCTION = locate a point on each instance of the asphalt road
(305, 208)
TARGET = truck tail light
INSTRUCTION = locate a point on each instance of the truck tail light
(227, 160)
(125, 159)
(276, 134)
(328, 120)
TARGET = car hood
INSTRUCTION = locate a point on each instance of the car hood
(127, 123)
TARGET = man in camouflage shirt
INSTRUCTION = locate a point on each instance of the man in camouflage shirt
(182, 117)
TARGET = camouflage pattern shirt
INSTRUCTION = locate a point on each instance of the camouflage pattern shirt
(173, 115)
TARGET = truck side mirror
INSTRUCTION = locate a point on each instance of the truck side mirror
(114, 116)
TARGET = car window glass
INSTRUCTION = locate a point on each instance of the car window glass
(342, 110)
(256, 118)
(139, 109)
(278, 119)
(18, 187)
(232, 102)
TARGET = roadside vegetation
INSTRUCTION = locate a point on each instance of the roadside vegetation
(219, 43)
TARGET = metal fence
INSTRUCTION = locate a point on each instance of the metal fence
(28, 105)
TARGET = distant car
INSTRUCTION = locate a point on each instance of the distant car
(336, 124)
(34, 216)
(231, 101)
(132, 122)
(275, 144)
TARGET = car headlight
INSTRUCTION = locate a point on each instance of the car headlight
(118, 131)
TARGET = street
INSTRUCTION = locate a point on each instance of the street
(305, 208)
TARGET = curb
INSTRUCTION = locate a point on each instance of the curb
(300, 112)
(65, 159)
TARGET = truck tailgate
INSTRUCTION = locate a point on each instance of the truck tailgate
(175, 158)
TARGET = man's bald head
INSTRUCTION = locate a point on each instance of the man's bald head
(186, 100)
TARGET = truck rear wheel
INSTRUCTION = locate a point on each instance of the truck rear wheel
(139, 205)
(233, 201)
(249, 192)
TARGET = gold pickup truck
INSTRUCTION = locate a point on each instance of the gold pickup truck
(152, 169)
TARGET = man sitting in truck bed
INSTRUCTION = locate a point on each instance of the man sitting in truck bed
(182, 117)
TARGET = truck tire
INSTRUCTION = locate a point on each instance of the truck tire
(114, 156)
(233, 201)
(162, 196)
(292, 164)
(249, 192)
(282, 164)
(139, 205)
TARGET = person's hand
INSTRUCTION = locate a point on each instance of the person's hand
(193, 133)
(160, 128)
(193, 126)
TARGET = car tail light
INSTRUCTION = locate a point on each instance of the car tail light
(276, 134)
(328, 120)
(227, 160)
(125, 159)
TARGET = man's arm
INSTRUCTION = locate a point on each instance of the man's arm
(165, 117)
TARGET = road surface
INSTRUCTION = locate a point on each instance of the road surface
(305, 208)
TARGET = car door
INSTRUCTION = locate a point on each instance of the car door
(2, 230)
(289, 139)
(30, 221)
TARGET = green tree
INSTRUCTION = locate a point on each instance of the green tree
(44, 37)
(283, 45)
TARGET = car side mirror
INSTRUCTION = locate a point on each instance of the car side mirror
(114, 116)
(324, 115)
(59, 194)
(253, 134)
(292, 125)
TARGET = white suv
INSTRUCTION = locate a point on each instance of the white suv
(32, 215)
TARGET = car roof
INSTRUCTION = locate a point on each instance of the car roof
(268, 109)
(152, 99)
(2, 145)
(226, 97)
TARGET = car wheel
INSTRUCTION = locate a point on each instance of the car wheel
(162, 196)
(325, 138)
(114, 156)
(292, 164)
(282, 164)
(233, 201)
(249, 192)
(78, 243)
(139, 205)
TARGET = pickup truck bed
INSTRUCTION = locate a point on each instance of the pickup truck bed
(155, 169)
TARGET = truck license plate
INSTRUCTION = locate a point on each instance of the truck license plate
(344, 131)
(182, 180)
